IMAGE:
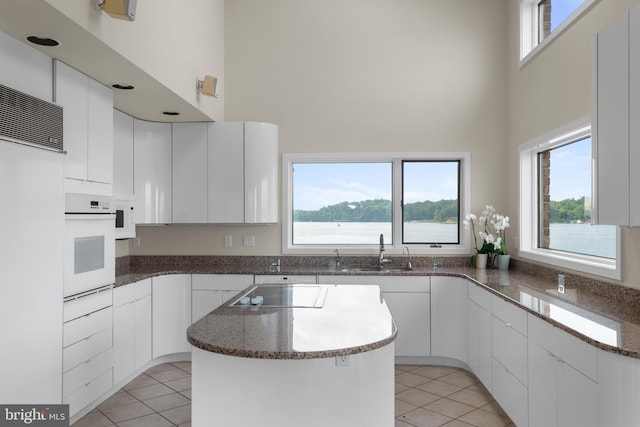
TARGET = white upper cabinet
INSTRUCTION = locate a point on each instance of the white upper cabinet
(25, 69)
(226, 177)
(243, 172)
(189, 155)
(616, 121)
(152, 172)
(122, 155)
(88, 128)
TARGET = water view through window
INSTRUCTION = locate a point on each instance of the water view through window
(566, 211)
(352, 203)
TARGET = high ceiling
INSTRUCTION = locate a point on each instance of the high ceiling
(83, 51)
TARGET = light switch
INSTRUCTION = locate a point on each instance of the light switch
(248, 241)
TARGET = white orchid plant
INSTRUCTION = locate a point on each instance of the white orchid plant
(491, 227)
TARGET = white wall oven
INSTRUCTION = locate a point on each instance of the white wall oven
(89, 243)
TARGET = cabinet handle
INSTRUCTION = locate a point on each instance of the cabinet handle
(508, 325)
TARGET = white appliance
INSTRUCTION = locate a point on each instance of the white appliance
(32, 187)
(125, 219)
(89, 242)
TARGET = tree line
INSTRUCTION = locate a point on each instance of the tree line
(379, 210)
(568, 211)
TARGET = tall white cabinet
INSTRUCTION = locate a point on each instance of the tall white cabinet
(122, 155)
(152, 172)
(616, 121)
(243, 172)
(88, 130)
(189, 158)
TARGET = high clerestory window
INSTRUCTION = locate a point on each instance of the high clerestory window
(346, 201)
(542, 20)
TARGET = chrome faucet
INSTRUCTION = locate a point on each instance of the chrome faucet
(409, 264)
(381, 259)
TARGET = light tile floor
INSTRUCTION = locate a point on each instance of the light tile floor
(426, 396)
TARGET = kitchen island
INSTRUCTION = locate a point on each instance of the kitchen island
(312, 355)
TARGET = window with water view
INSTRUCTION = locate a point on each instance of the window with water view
(352, 203)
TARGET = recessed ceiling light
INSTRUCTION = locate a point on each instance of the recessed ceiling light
(43, 41)
(170, 113)
(122, 87)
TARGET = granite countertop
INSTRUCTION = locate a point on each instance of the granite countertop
(602, 314)
(353, 319)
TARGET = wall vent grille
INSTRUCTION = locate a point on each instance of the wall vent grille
(29, 120)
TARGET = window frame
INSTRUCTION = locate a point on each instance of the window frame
(530, 25)
(530, 209)
(395, 247)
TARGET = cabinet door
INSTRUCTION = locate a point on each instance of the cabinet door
(634, 112)
(542, 387)
(122, 155)
(261, 173)
(123, 342)
(203, 302)
(152, 172)
(143, 337)
(612, 124)
(99, 133)
(449, 317)
(410, 311)
(71, 92)
(484, 347)
(171, 314)
(511, 394)
(577, 398)
(189, 162)
(226, 172)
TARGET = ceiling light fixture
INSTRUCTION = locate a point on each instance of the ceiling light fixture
(207, 86)
(122, 87)
(119, 9)
(43, 41)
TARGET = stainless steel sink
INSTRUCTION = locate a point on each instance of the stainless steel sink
(375, 270)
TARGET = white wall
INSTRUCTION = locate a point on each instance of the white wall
(554, 89)
(362, 75)
(175, 42)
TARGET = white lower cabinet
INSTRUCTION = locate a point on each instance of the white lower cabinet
(131, 328)
(510, 393)
(409, 302)
(209, 291)
(171, 314)
(87, 358)
(479, 338)
(449, 317)
(563, 390)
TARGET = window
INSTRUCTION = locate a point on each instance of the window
(555, 205)
(345, 201)
(543, 20)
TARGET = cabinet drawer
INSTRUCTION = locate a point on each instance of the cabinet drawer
(510, 314)
(510, 394)
(88, 304)
(84, 373)
(577, 353)
(480, 296)
(293, 278)
(509, 347)
(219, 282)
(134, 291)
(87, 325)
(386, 283)
(84, 350)
(89, 392)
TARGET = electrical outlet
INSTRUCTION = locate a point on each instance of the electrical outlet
(561, 283)
(343, 361)
(136, 242)
(228, 241)
(248, 241)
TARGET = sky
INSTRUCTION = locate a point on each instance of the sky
(324, 184)
(571, 171)
(561, 9)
